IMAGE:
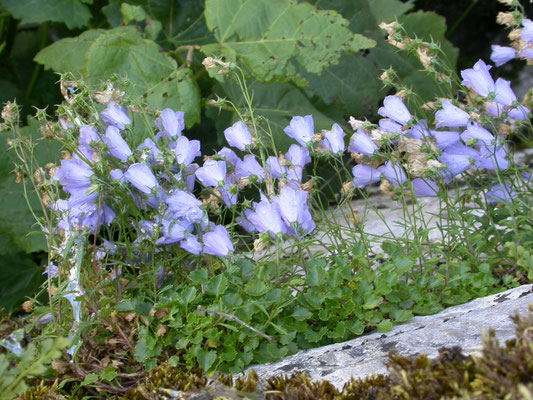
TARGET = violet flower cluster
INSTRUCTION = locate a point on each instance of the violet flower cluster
(522, 48)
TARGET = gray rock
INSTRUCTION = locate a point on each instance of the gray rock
(456, 326)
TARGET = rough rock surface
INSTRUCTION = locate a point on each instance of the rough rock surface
(456, 326)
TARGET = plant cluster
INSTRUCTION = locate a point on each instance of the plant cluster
(156, 254)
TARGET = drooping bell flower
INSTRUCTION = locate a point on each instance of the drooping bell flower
(451, 116)
(363, 175)
(218, 242)
(238, 136)
(212, 173)
(298, 155)
(172, 232)
(477, 132)
(118, 147)
(500, 194)
(191, 245)
(360, 142)
(334, 140)
(393, 172)
(293, 209)
(301, 129)
(445, 138)
(184, 205)
(116, 115)
(171, 123)
(141, 177)
(186, 150)
(502, 54)
(424, 187)
(249, 166)
(395, 109)
(265, 217)
(479, 79)
(149, 147)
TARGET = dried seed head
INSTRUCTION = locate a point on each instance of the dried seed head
(259, 246)
(47, 130)
(65, 155)
(347, 188)
(356, 123)
(386, 188)
(10, 112)
(355, 218)
(28, 306)
(508, 18)
(39, 175)
(161, 331)
(307, 186)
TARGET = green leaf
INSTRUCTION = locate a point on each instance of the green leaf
(256, 287)
(384, 326)
(19, 277)
(132, 13)
(178, 91)
(109, 373)
(400, 315)
(71, 12)
(316, 274)
(389, 10)
(123, 50)
(217, 285)
(89, 379)
(314, 336)
(301, 313)
(269, 36)
(189, 294)
(68, 55)
(356, 326)
(372, 301)
(199, 276)
(16, 220)
(206, 359)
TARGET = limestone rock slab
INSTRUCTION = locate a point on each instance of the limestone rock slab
(456, 326)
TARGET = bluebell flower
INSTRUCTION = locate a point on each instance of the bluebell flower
(461, 149)
(266, 218)
(274, 167)
(172, 232)
(420, 130)
(81, 196)
(520, 112)
(476, 131)
(212, 173)
(334, 140)
(301, 129)
(249, 167)
(360, 142)
(500, 194)
(117, 175)
(191, 245)
(479, 79)
(118, 147)
(389, 126)
(184, 205)
(504, 93)
(395, 109)
(189, 173)
(527, 31)
(171, 123)
(456, 163)
(141, 177)
(244, 221)
(88, 136)
(186, 150)
(74, 174)
(363, 175)
(51, 270)
(451, 116)
(445, 139)
(151, 149)
(116, 115)
(238, 136)
(298, 156)
(393, 172)
(218, 242)
(493, 158)
(424, 187)
(294, 211)
(526, 53)
(229, 193)
(502, 54)
(229, 155)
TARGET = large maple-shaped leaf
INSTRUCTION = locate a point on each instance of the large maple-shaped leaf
(73, 13)
(271, 36)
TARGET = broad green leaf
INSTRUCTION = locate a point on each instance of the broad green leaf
(389, 10)
(17, 224)
(19, 277)
(206, 359)
(124, 51)
(269, 36)
(256, 287)
(301, 313)
(384, 326)
(372, 301)
(217, 285)
(132, 13)
(73, 13)
(68, 55)
(199, 276)
(316, 275)
(179, 91)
